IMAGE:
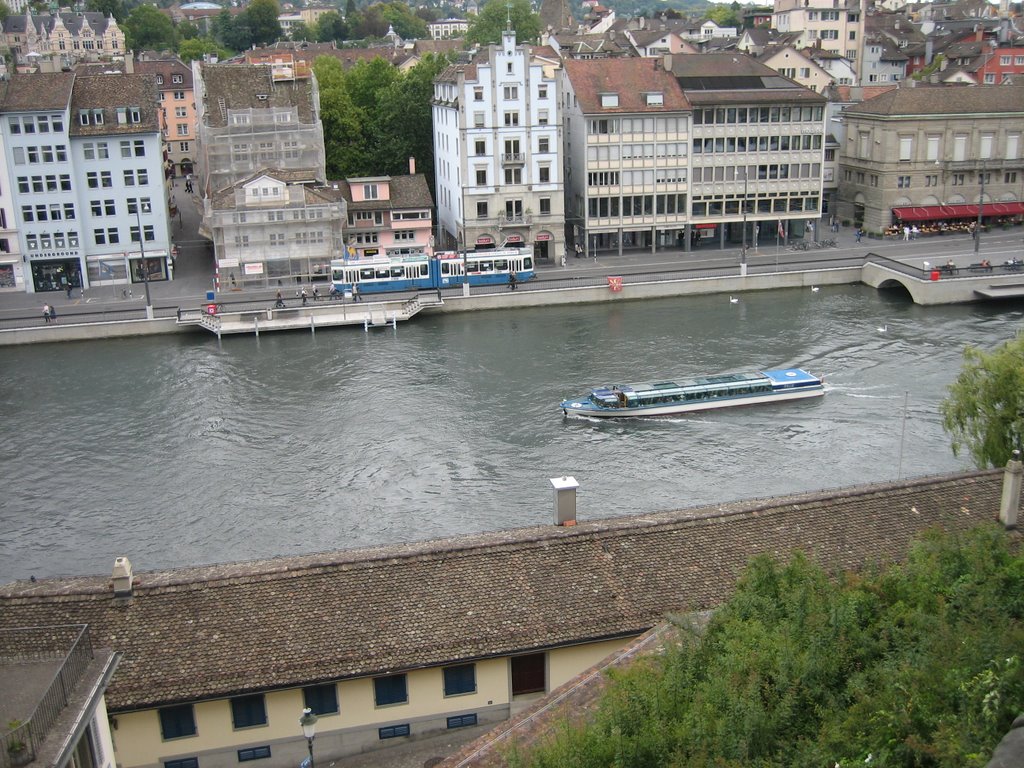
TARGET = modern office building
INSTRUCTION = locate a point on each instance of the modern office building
(498, 151)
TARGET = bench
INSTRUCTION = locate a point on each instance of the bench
(949, 269)
(979, 267)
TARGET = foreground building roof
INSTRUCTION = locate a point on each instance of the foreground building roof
(216, 631)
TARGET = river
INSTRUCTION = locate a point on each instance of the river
(180, 451)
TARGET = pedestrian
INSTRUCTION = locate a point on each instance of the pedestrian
(906, 233)
(46, 313)
(67, 289)
(279, 303)
(859, 234)
(304, 295)
(316, 293)
(53, 314)
(512, 281)
(355, 292)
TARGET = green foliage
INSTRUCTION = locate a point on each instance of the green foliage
(261, 18)
(487, 27)
(115, 8)
(405, 23)
(917, 665)
(150, 29)
(725, 16)
(300, 30)
(195, 48)
(5, 11)
(331, 27)
(984, 411)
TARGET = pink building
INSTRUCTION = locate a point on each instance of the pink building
(388, 216)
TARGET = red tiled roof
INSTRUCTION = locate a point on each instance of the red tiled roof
(631, 79)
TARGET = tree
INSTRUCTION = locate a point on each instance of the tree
(403, 21)
(344, 123)
(150, 29)
(331, 27)
(370, 23)
(724, 16)
(231, 32)
(115, 8)
(301, 31)
(984, 412)
(5, 11)
(198, 47)
(493, 18)
(261, 18)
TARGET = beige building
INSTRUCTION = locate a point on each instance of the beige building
(51, 42)
(928, 156)
(827, 24)
(393, 643)
(177, 111)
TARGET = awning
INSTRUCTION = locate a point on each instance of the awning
(933, 212)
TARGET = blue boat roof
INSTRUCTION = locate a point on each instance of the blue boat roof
(790, 376)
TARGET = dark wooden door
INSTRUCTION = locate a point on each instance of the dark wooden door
(528, 674)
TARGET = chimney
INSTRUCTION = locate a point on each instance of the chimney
(122, 576)
(412, 166)
(565, 500)
(1011, 491)
(666, 62)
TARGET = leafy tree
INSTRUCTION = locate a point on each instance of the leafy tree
(261, 18)
(5, 11)
(186, 30)
(150, 29)
(724, 16)
(488, 26)
(232, 32)
(301, 31)
(370, 23)
(984, 411)
(350, 9)
(331, 27)
(115, 8)
(197, 47)
(344, 123)
(919, 665)
(403, 21)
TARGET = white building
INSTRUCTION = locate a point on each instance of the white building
(86, 174)
(445, 28)
(498, 151)
(12, 273)
(835, 27)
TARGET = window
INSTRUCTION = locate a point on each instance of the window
(609, 100)
(544, 174)
(187, 762)
(389, 690)
(511, 118)
(181, 112)
(480, 147)
(97, 179)
(183, 129)
(254, 753)
(1010, 177)
(177, 79)
(478, 119)
(370, 192)
(903, 182)
(543, 144)
(183, 146)
(460, 680)
(322, 699)
(511, 92)
(179, 95)
(542, 91)
(14, 124)
(461, 721)
(150, 235)
(478, 94)
(393, 731)
(542, 117)
(178, 721)
(481, 177)
(248, 711)
(481, 210)
(906, 148)
(545, 206)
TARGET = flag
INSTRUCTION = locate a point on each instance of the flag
(782, 231)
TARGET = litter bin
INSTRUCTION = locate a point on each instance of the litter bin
(615, 284)
(210, 295)
(935, 274)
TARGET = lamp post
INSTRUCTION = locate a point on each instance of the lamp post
(308, 723)
(981, 202)
(743, 250)
(139, 207)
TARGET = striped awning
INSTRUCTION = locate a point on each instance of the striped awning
(935, 212)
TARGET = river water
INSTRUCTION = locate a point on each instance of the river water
(181, 451)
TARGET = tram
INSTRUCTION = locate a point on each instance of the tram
(442, 270)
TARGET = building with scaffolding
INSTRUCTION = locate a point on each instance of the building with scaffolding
(261, 171)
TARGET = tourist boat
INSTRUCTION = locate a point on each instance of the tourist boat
(664, 398)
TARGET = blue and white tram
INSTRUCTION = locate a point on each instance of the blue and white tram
(443, 270)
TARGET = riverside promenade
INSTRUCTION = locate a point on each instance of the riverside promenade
(194, 270)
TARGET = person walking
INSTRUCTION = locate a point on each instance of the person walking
(279, 303)
(355, 292)
(53, 314)
(316, 293)
(859, 234)
(304, 296)
(46, 313)
(512, 281)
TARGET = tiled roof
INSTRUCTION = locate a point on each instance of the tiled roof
(735, 78)
(240, 86)
(34, 93)
(17, 24)
(109, 92)
(630, 78)
(167, 68)
(405, 192)
(216, 631)
(940, 100)
(224, 199)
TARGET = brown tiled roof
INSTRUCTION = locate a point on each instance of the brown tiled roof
(167, 68)
(735, 78)
(630, 78)
(241, 85)
(406, 192)
(224, 199)
(216, 631)
(943, 100)
(32, 93)
(109, 92)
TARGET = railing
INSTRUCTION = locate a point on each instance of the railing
(70, 642)
(517, 220)
(513, 158)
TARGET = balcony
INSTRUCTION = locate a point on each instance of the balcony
(515, 220)
(513, 158)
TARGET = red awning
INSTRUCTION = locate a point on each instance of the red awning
(935, 212)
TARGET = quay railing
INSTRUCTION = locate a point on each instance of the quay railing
(71, 644)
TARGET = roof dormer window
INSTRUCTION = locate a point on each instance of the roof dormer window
(609, 100)
(654, 99)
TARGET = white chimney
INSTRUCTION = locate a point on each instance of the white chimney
(1011, 491)
(412, 166)
(122, 577)
(565, 500)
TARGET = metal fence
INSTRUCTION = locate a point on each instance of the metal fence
(70, 643)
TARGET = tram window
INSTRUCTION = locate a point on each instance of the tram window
(528, 263)
(366, 274)
(473, 266)
(501, 265)
(486, 266)
(397, 272)
(383, 273)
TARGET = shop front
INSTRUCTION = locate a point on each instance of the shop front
(544, 246)
(148, 267)
(56, 271)
(939, 219)
(12, 276)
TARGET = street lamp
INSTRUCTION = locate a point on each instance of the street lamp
(308, 723)
(981, 202)
(141, 207)
(743, 253)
